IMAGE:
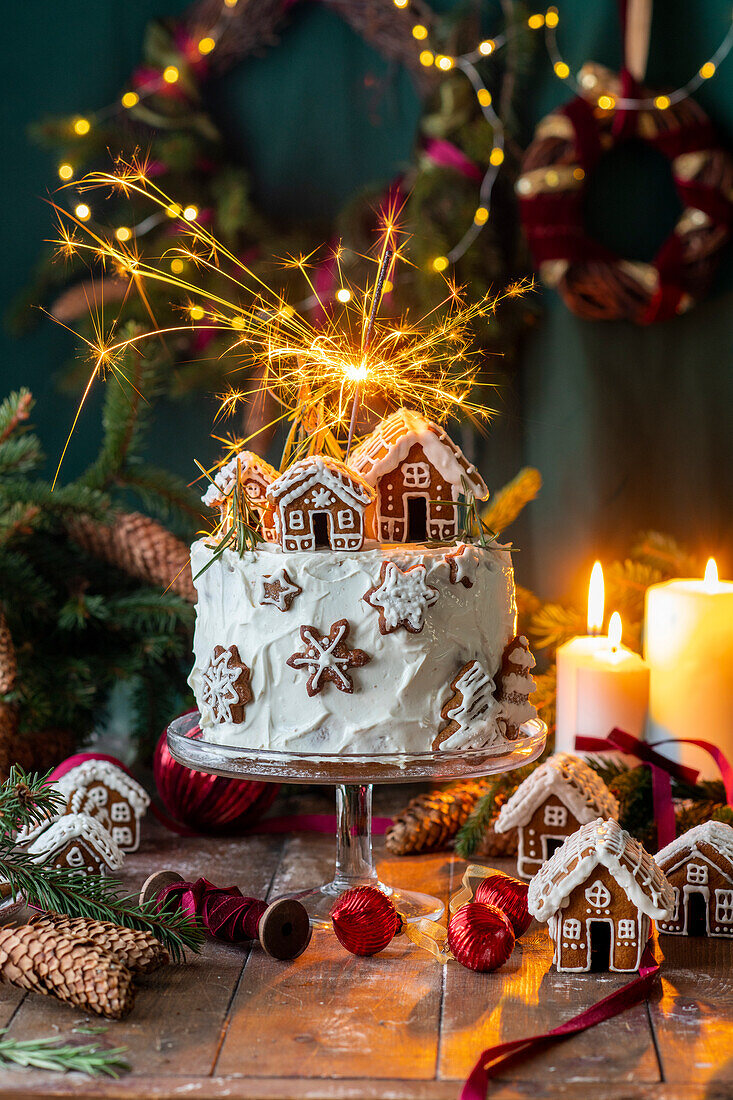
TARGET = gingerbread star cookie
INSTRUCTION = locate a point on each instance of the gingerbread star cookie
(278, 589)
(401, 597)
(225, 685)
(462, 562)
(327, 657)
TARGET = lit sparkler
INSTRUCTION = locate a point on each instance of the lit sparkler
(317, 374)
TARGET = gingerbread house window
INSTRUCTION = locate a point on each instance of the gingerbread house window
(122, 835)
(346, 519)
(120, 812)
(416, 475)
(724, 906)
(676, 912)
(697, 874)
(98, 796)
(571, 929)
(75, 857)
(626, 929)
(598, 895)
(556, 816)
(297, 522)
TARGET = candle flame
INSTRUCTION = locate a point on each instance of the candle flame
(711, 572)
(615, 630)
(596, 600)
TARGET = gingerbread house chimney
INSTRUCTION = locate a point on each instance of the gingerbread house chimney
(418, 474)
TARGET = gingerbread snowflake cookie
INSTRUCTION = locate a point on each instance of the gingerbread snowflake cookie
(402, 597)
(463, 562)
(225, 685)
(470, 713)
(327, 657)
(277, 589)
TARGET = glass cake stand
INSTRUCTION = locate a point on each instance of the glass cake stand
(353, 776)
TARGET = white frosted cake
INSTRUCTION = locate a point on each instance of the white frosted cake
(328, 641)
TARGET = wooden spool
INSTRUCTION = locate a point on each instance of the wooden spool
(284, 929)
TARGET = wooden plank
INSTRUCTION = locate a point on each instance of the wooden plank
(331, 1014)
(526, 997)
(177, 1021)
(692, 1015)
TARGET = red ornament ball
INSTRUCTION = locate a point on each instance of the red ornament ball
(365, 920)
(480, 936)
(509, 895)
(208, 803)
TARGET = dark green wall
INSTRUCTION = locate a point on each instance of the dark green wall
(630, 427)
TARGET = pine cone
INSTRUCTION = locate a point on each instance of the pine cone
(431, 820)
(497, 845)
(139, 546)
(72, 970)
(139, 951)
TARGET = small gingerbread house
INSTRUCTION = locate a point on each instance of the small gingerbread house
(79, 842)
(418, 473)
(549, 805)
(255, 476)
(104, 791)
(320, 502)
(699, 866)
(598, 894)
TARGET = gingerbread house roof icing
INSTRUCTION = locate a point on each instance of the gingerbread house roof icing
(320, 470)
(392, 440)
(225, 478)
(569, 778)
(104, 771)
(72, 827)
(606, 844)
(711, 834)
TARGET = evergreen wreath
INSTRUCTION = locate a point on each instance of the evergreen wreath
(172, 133)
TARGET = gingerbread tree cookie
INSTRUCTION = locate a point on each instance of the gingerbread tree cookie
(277, 589)
(470, 713)
(402, 597)
(327, 657)
(225, 685)
(515, 687)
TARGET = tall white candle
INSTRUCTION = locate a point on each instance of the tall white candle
(612, 688)
(572, 656)
(688, 643)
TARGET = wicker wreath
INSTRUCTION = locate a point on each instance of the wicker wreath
(594, 282)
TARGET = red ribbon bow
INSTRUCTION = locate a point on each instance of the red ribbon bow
(226, 913)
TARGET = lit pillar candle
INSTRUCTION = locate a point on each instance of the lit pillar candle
(573, 655)
(688, 643)
(612, 688)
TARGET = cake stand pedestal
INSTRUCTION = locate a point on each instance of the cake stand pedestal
(353, 776)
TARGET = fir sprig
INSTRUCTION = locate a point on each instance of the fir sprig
(88, 1058)
(241, 526)
(26, 799)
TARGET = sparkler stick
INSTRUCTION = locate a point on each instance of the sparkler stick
(377, 298)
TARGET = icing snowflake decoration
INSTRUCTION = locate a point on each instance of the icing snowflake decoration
(322, 498)
(402, 598)
(277, 589)
(327, 657)
(225, 685)
(463, 562)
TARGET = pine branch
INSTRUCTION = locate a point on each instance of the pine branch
(26, 798)
(665, 554)
(554, 624)
(510, 501)
(14, 411)
(51, 1054)
(63, 890)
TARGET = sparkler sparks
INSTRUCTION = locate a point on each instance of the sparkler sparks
(317, 372)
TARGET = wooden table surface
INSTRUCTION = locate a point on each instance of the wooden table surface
(234, 1023)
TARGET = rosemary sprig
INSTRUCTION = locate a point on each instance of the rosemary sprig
(63, 890)
(472, 525)
(242, 523)
(88, 1058)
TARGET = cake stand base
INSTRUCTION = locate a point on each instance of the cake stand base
(353, 776)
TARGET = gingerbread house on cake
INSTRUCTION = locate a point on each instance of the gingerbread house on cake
(418, 473)
(560, 795)
(319, 502)
(255, 476)
(699, 867)
(79, 842)
(598, 894)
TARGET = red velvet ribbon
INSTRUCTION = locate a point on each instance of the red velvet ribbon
(226, 913)
(498, 1058)
(663, 770)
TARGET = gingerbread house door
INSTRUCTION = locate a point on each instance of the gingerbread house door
(696, 904)
(600, 943)
(321, 528)
(416, 515)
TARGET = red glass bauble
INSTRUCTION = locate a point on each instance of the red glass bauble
(208, 803)
(365, 920)
(509, 895)
(480, 936)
